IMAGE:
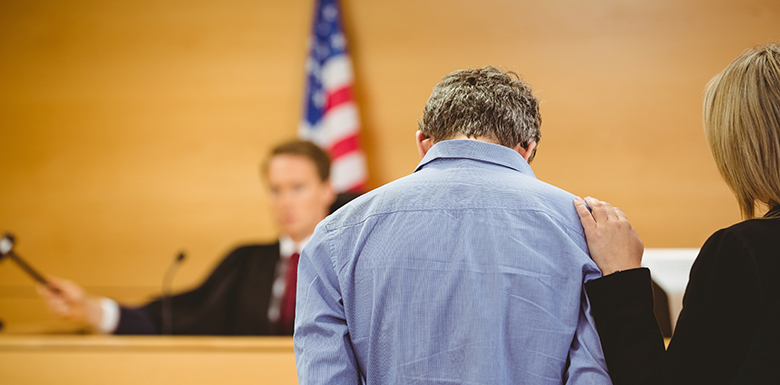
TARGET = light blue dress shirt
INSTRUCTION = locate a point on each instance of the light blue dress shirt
(468, 271)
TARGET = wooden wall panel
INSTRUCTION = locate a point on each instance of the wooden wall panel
(131, 130)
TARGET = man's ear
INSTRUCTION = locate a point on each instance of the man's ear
(526, 152)
(424, 143)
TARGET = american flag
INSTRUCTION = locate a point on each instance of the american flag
(330, 114)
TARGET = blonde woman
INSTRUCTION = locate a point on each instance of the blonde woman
(728, 329)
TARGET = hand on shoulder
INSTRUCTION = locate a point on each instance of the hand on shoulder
(613, 243)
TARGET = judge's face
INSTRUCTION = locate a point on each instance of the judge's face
(299, 199)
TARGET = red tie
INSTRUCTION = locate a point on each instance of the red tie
(287, 314)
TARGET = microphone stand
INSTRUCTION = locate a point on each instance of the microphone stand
(166, 310)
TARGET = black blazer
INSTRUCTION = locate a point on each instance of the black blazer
(233, 300)
(728, 328)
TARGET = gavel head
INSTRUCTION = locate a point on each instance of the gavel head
(6, 244)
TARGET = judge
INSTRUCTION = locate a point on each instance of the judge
(252, 291)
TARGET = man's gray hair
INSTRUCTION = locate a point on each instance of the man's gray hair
(484, 102)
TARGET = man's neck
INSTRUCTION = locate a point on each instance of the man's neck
(526, 151)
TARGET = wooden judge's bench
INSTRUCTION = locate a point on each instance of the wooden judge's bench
(118, 360)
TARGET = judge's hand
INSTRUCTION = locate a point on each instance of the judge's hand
(614, 244)
(67, 300)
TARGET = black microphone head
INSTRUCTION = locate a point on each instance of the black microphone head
(181, 256)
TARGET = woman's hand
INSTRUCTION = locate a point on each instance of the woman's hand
(614, 244)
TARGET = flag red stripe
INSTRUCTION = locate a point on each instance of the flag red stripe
(338, 97)
(344, 147)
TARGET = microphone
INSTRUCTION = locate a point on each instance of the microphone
(166, 311)
(7, 250)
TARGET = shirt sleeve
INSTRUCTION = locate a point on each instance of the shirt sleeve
(110, 318)
(586, 364)
(323, 351)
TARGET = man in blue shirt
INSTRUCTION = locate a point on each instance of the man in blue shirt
(469, 270)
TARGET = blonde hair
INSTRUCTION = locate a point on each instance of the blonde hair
(742, 126)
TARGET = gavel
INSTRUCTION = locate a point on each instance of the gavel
(7, 250)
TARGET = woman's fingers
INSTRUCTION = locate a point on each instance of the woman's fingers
(620, 214)
(598, 209)
(613, 243)
(585, 216)
(602, 211)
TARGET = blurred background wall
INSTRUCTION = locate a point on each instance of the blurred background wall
(130, 130)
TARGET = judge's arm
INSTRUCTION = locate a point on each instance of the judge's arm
(67, 300)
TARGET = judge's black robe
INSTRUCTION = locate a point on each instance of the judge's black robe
(232, 301)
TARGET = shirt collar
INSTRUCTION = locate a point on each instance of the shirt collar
(476, 150)
(288, 247)
(773, 212)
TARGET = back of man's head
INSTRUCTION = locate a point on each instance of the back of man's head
(484, 102)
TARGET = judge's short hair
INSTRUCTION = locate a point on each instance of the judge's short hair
(304, 148)
(484, 102)
(742, 126)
